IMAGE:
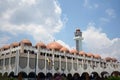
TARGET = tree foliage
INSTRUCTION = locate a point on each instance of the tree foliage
(113, 78)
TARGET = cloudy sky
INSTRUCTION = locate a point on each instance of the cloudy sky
(48, 20)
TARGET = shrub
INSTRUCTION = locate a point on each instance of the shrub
(113, 78)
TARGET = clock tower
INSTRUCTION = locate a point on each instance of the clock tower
(78, 39)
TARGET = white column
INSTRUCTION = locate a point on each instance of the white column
(10, 61)
(4, 63)
(37, 54)
(82, 62)
(17, 62)
(60, 63)
(80, 43)
(53, 62)
(66, 63)
(96, 64)
(45, 63)
(28, 62)
(91, 62)
(72, 63)
(77, 62)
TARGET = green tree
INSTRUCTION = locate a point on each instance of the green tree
(113, 78)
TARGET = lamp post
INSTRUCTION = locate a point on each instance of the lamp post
(35, 63)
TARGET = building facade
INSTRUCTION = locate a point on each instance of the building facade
(24, 58)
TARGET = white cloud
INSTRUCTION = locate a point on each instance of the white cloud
(4, 40)
(105, 20)
(87, 4)
(111, 13)
(40, 19)
(98, 42)
(64, 44)
(57, 6)
(27, 2)
(96, 5)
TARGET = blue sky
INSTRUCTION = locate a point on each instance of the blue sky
(82, 12)
(48, 20)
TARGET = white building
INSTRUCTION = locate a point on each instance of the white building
(23, 58)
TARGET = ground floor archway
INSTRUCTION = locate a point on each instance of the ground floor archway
(85, 76)
(76, 76)
(22, 75)
(5, 74)
(104, 74)
(69, 76)
(63, 74)
(115, 73)
(41, 75)
(94, 75)
(11, 74)
(32, 75)
(0, 75)
(49, 75)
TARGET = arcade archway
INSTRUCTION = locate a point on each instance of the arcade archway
(115, 73)
(5, 74)
(22, 75)
(32, 75)
(11, 74)
(85, 76)
(76, 76)
(41, 75)
(104, 74)
(49, 75)
(69, 76)
(94, 75)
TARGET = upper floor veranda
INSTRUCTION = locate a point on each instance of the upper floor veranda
(53, 48)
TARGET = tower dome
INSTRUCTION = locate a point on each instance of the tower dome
(74, 51)
(6, 47)
(64, 49)
(14, 44)
(82, 53)
(54, 45)
(26, 41)
(40, 44)
(90, 55)
(77, 29)
(97, 56)
(114, 59)
(108, 59)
